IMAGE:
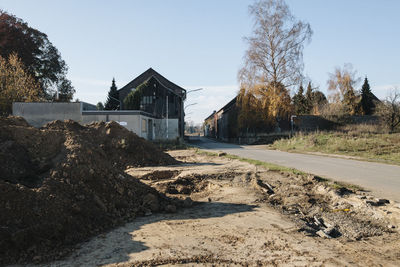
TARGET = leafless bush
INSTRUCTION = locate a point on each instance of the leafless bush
(389, 110)
(333, 111)
(357, 129)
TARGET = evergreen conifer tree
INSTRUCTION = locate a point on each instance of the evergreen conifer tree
(367, 99)
(112, 102)
(299, 102)
(309, 99)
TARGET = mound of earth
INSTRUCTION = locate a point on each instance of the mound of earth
(65, 182)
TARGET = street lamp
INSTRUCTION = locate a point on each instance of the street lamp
(190, 105)
(194, 90)
(191, 91)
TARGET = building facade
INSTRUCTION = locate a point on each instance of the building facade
(141, 123)
(159, 97)
(222, 124)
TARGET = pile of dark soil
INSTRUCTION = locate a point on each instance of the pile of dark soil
(65, 182)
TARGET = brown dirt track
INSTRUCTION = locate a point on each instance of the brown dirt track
(236, 221)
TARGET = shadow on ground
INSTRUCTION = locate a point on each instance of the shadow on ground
(206, 143)
(117, 245)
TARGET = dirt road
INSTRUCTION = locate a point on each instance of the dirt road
(382, 179)
(243, 215)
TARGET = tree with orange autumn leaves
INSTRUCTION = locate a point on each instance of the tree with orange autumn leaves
(16, 85)
(273, 64)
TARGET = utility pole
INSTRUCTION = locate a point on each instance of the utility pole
(167, 117)
(292, 124)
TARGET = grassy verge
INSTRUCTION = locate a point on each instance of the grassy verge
(381, 147)
(269, 166)
(340, 186)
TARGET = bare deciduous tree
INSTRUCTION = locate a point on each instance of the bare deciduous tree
(275, 53)
(389, 110)
(341, 83)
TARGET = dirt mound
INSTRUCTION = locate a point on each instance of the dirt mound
(65, 182)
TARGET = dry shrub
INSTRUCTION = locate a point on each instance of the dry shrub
(357, 129)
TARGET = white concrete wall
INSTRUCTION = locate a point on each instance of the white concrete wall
(38, 114)
(161, 129)
(134, 123)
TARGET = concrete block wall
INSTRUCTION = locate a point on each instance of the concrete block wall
(38, 114)
(131, 122)
(161, 129)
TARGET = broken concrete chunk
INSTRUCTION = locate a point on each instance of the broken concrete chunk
(319, 222)
(332, 232)
(377, 202)
(264, 186)
(382, 200)
(323, 234)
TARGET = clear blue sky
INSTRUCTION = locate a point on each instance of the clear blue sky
(200, 43)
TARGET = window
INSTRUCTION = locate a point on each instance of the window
(146, 100)
(144, 125)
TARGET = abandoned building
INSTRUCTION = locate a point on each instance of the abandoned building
(222, 124)
(158, 114)
(159, 97)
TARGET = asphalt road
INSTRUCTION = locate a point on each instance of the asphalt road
(383, 180)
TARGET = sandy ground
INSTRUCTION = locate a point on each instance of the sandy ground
(382, 179)
(234, 220)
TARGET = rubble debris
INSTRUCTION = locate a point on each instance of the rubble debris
(264, 186)
(382, 201)
(314, 207)
(323, 234)
(377, 202)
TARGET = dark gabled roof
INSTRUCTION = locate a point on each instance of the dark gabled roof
(209, 117)
(225, 108)
(228, 106)
(152, 73)
(375, 98)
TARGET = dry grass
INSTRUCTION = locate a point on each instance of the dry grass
(267, 165)
(364, 141)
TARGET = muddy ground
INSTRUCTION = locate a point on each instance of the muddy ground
(239, 214)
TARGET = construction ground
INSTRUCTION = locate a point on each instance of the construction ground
(186, 208)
